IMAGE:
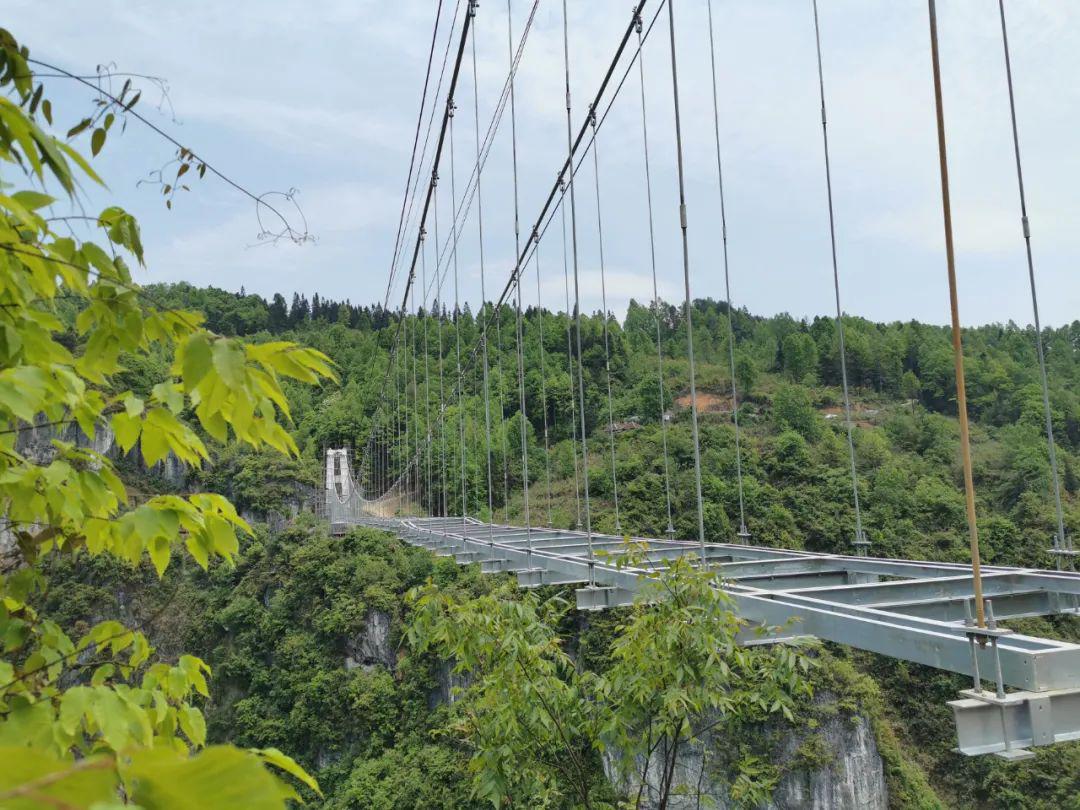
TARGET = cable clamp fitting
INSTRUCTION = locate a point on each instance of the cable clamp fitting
(450, 107)
(592, 116)
(473, 5)
(637, 19)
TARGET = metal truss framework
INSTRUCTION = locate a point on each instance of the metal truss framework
(911, 610)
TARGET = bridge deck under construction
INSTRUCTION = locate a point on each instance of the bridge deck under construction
(911, 610)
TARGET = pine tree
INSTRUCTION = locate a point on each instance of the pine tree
(279, 314)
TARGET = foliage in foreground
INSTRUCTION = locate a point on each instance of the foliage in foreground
(97, 720)
(538, 723)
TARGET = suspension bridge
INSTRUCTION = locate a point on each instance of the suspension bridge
(411, 475)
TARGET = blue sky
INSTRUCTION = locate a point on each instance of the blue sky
(322, 97)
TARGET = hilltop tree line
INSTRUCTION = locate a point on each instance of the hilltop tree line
(911, 360)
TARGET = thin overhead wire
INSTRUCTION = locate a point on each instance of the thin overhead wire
(417, 491)
(501, 404)
(427, 386)
(483, 296)
(686, 284)
(577, 299)
(543, 381)
(1062, 543)
(670, 531)
(570, 367)
(517, 252)
(860, 542)
(457, 331)
(405, 397)
(743, 533)
(440, 315)
(603, 301)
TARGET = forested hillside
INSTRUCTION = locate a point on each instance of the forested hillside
(797, 486)
(794, 458)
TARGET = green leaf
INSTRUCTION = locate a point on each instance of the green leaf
(27, 723)
(127, 430)
(193, 725)
(229, 362)
(32, 200)
(170, 395)
(73, 706)
(160, 549)
(218, 778)
(197, 360)
(97, 140)
(289, 765)
(79, 127)
(47, 781)
(133, 405)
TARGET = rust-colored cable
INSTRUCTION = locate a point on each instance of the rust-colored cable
(958, 351)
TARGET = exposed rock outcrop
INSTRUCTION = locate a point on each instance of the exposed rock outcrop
(371, 647)
(447, 683)
(847, 774)
(36, 443)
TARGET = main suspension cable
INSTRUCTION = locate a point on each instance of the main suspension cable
(860, 542)
(743, 534)
(686, 284)
(603, 302)
(1062, 543)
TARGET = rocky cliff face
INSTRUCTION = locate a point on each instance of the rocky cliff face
(847, 773)
(854, 779)
(372, 646)
(36, 443)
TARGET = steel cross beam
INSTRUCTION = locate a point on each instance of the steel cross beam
(907, 609)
